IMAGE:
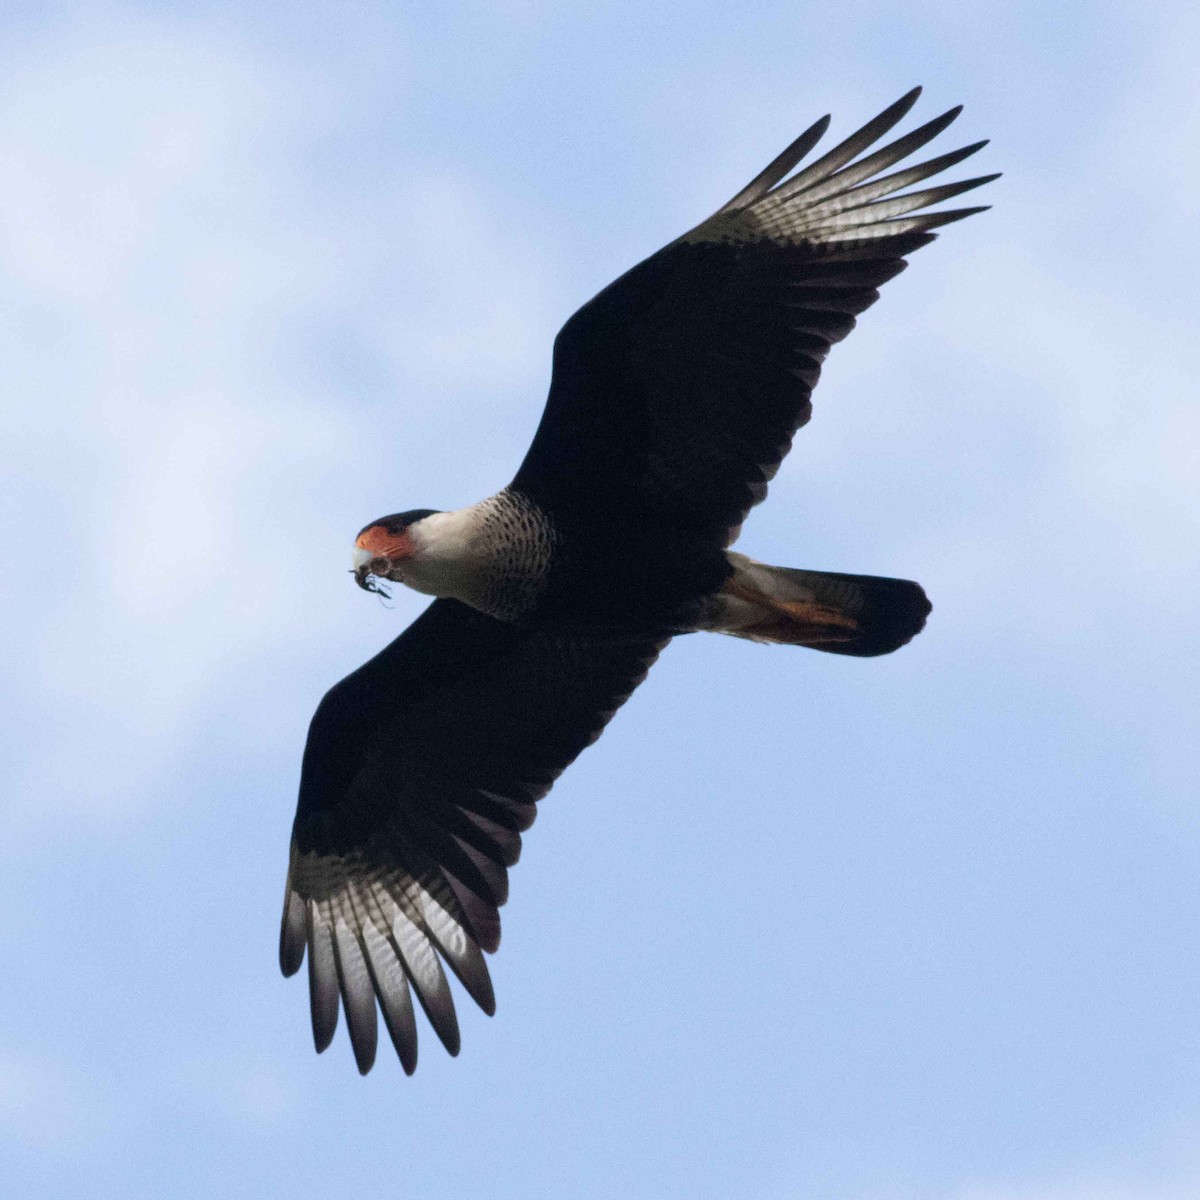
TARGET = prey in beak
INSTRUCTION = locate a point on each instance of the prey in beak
(365, 574)
(379, 552)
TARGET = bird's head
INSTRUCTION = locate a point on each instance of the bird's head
(382, 548)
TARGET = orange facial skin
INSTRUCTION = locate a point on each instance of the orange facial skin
(386, 549)
(379, 542)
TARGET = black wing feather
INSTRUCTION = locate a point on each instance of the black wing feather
(677, 390)
(421, 770)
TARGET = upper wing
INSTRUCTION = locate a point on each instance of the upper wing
(421, 770)
(676, 391)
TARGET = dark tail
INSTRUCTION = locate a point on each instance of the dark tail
(862, 615)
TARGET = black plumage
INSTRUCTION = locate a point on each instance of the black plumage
(421, 772)
(712, 346)
(675, 395)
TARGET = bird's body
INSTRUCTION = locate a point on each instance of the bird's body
(676, 392)
(512, 559)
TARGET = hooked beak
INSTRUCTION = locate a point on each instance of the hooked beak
(367, 564)
(378, 555)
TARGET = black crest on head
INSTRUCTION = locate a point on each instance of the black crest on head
(398, 522)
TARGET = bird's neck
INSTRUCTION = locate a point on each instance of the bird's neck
(493, 556)
(450, 557)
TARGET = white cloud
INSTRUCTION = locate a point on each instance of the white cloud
(168, 269)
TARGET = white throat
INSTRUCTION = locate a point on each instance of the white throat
(450, 559)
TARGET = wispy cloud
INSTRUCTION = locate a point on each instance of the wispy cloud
(170, 449)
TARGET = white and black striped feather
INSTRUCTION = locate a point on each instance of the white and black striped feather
(421, 771)
(677, 390)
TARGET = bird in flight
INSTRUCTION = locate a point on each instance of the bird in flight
(675, 395)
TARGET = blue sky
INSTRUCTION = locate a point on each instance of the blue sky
(919, 928)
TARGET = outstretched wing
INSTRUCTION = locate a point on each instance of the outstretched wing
(421, 771)
(676, 391)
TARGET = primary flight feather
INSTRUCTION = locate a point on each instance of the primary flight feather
(675, 395)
